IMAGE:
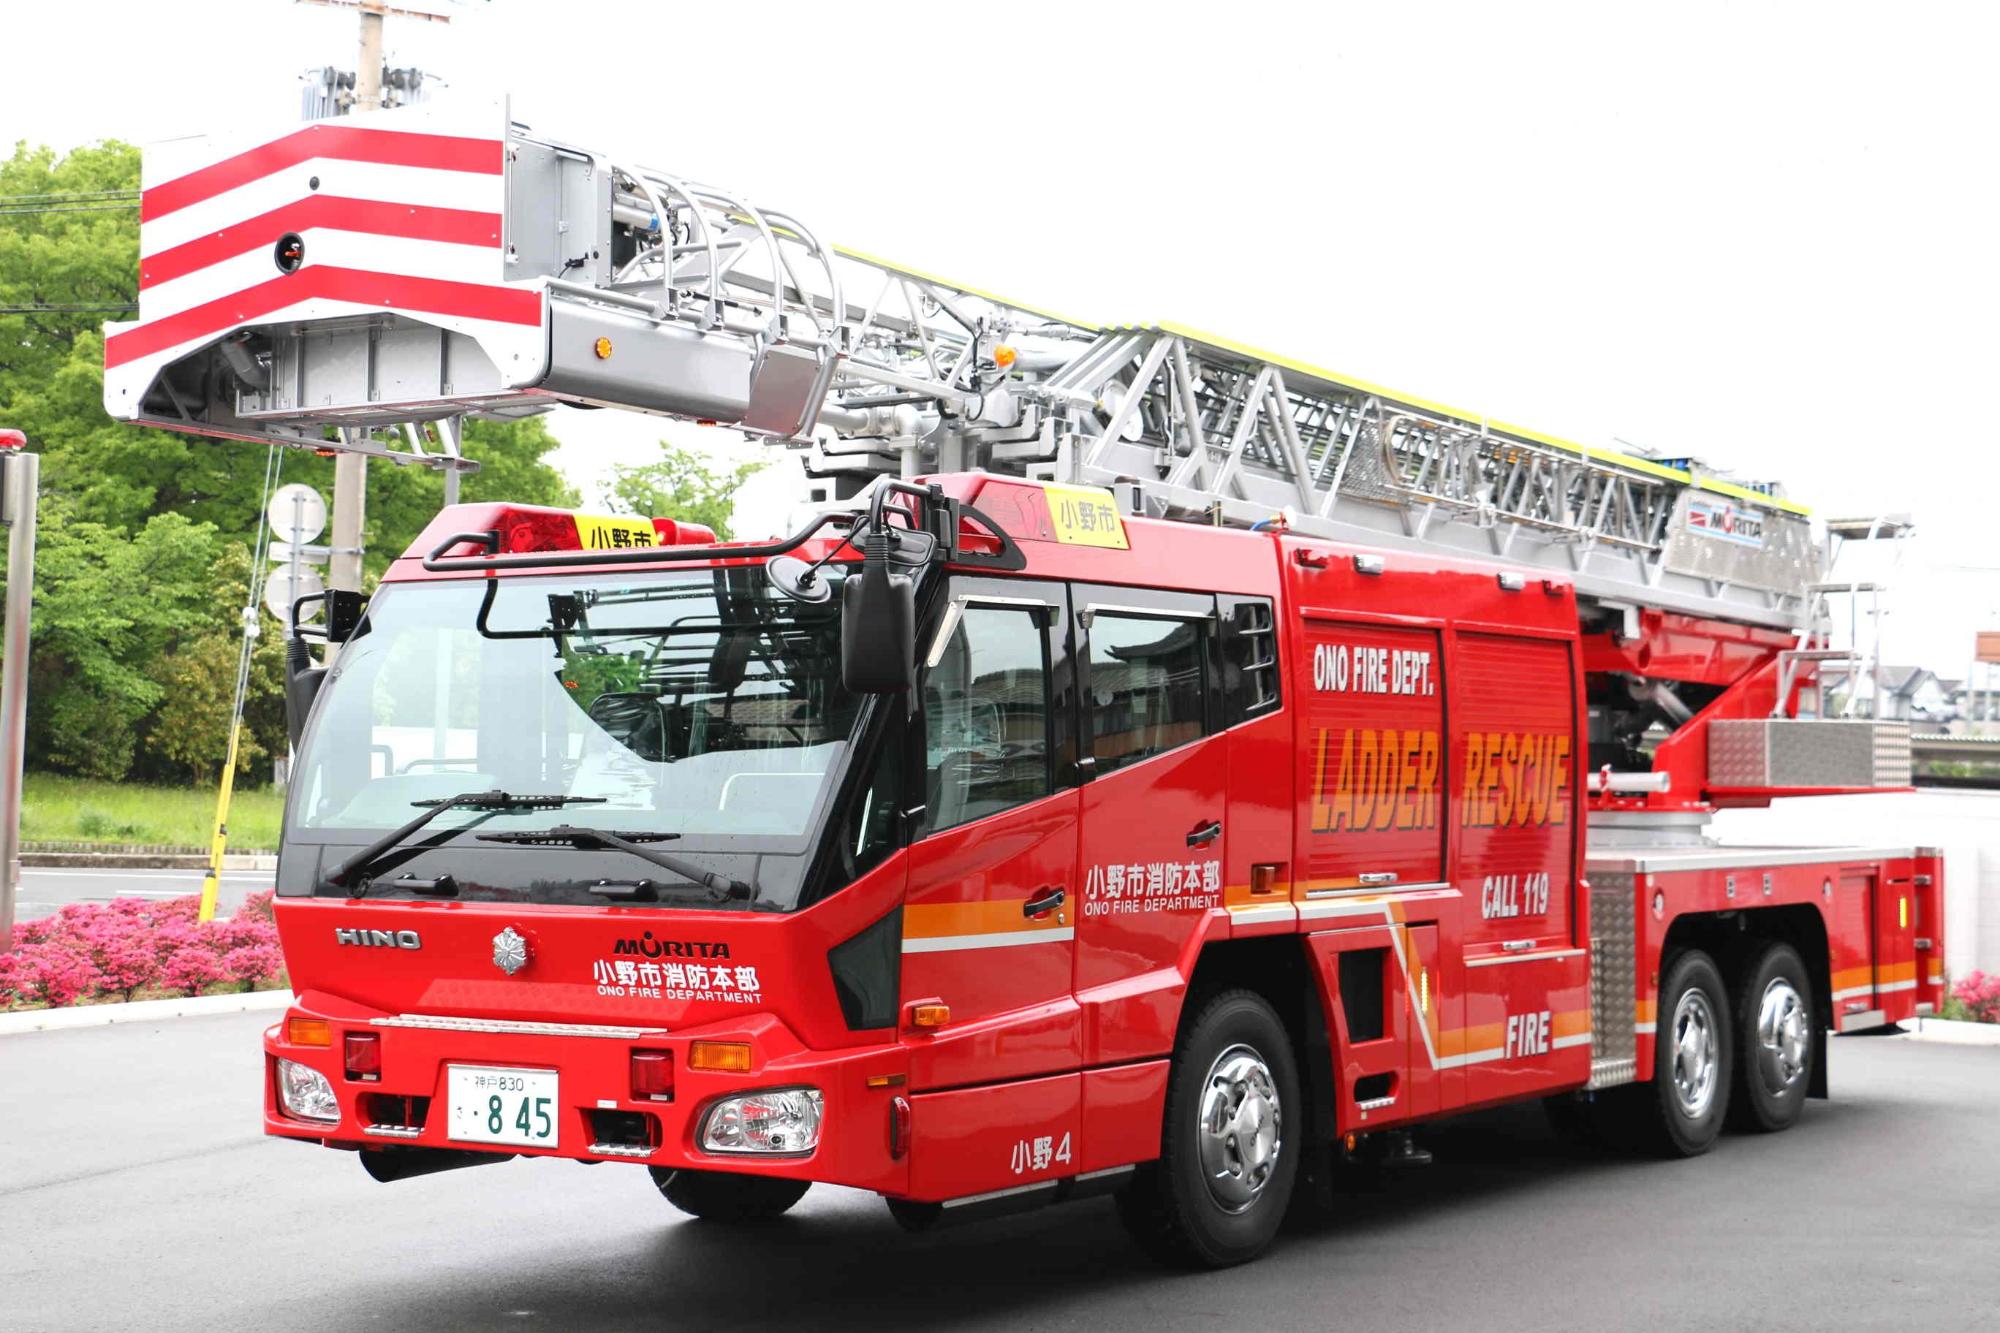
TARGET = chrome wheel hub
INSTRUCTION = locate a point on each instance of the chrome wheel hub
(1784, 1036)
(1696, 1056)
(1240, 1131)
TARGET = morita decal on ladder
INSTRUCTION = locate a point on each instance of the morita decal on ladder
(387, 274)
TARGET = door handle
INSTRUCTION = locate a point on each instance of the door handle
(1207, 833)
(1048, 898)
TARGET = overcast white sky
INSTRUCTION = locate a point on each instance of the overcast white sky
(1761, 235)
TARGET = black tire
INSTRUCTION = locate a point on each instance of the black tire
(1236, 1047)
(721, 1196)
(1666, 1117)
(1775, 1043)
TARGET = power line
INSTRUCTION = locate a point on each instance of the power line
(59, 309)
(67, 196)
(71, 208)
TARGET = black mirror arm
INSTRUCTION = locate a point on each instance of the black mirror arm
(302, 682)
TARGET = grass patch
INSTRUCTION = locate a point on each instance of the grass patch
(55, 808)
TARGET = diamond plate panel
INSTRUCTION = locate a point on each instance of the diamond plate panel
(1614, 1038)
(1808, 752)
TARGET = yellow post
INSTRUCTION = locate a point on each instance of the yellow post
(212, 883)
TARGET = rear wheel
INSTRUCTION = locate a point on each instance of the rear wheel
(1680, 1113)
(1774, 1017)
(1229, 1143)
(721, 1196)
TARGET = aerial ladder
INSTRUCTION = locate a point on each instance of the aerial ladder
(369, 284)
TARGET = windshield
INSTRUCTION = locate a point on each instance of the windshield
(702, 710)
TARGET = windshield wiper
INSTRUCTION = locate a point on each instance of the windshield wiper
(495, 801)
(721, 888)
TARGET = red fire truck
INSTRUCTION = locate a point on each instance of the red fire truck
(1158, 768)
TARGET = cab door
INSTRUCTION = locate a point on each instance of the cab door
(1153, 810)
(988, 917)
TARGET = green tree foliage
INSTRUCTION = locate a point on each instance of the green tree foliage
(683, 484)
(145, 535)
(190, 728)
(109, 611)
(192, 725)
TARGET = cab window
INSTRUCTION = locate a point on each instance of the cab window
(1148, 685)
(986, 715)
(870, 830)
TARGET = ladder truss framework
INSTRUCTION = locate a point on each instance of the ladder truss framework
(346, 285)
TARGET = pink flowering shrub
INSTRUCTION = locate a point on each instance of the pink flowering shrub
(117, 950)
(45, 973)
(1979, 992)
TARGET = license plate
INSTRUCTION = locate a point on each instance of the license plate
(497, 1105)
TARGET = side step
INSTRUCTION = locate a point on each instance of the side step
(915, 1217)
(1611, 1073)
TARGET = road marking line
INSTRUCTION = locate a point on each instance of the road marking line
(79, 872)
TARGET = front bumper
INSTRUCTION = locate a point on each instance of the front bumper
(598, 1118)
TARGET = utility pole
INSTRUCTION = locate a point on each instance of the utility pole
(19, 472)
(350, 469)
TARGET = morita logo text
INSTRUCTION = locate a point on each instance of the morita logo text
(648, 947)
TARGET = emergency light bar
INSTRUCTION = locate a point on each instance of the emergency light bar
(538, 528)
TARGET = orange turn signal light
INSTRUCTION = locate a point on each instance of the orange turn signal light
(722, 1057)
(929, 1015)
(308, 1031)
(603, 349)
(1003, 356)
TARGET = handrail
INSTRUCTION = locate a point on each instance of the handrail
(438, 563)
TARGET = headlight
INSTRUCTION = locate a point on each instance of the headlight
(785, 1120)
(305, 1092)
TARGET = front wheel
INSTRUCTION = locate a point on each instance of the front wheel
(722, 1196)
(1229, 1143)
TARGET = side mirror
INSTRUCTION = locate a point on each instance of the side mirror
(343, 613)
(878, 630)
(302, 682)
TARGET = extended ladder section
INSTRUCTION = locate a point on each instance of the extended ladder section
(1201, 425)
(369, 283)
(422, 264)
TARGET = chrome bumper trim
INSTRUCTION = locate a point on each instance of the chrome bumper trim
(446, 1023)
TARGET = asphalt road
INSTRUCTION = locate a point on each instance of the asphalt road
(137, 1192)
(44, 890)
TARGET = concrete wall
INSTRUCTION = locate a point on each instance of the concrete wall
(1965, 823)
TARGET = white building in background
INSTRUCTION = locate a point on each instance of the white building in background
(1976, 700)
(1909, 694)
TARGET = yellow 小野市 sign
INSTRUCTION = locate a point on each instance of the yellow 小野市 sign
(1086, 516)
(610, 532)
